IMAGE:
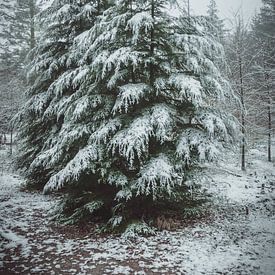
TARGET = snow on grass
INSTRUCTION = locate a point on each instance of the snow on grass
(233, 241)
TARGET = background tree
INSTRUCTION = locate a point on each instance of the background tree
(17, 30)
(17, 33)
(241, 58)
(264, 29)
(215, 24)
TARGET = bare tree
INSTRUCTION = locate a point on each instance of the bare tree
(238, 53)
(264, 35)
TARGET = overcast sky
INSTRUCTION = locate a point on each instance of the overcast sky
(226, 7)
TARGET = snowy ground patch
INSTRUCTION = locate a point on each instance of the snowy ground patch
(239, 239)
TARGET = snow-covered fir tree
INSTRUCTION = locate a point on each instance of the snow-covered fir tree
(135, 116)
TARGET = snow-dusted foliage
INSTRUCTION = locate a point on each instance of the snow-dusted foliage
(158, 176)
(130, 107)
(52, 81)
(130, 94)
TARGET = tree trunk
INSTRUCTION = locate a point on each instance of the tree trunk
(269, 127)
(269, 155)
(242, 114)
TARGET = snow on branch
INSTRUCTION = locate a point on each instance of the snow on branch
(189, 88)
(85, 105)
(62, 14)
(201, 65)
(213, 124)
(142, 20)
(87, 11)
(117, 77)
(37, 103)
(68, 135)
(198, 144)
(96, 41)
(157, 176)
(162, 121)
(67, 81)
(42, 63)
(102, 134)
(133, 140)
(83, 161)
(137, 229)
(117, 179)
(120, 57)
(113, 19)
(214, 87)
(201, 44)
(124, 194)
(130, 94)
(93, 205)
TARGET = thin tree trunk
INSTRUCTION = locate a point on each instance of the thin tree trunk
(269, 127)
(269, 155)
(242, 115)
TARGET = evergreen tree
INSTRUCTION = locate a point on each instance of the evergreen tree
(24, 29)
(17, 30)
(16, 27)
(215, 24)
(127, 111)
(8, 61)
(6, 15)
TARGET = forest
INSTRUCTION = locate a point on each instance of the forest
(136, 137)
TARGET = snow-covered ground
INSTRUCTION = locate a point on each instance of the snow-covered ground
(238, 238)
